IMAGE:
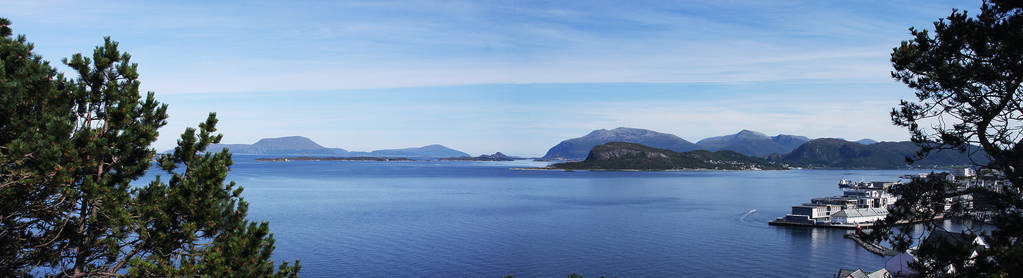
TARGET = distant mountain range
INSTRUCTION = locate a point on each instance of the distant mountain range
(630, 156)
(866, 141)
(838, 153)
(794, 150)
(498, 156)
(429, 151)
(746, 142)
(578, 148)
(291, 145)
(753, 143)
(798, 151)
(298, 145)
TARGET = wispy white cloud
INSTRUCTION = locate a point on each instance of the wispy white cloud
(528, 119)
(788, 58)
(192, 47)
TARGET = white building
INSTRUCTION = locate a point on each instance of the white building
(963, 172)
(867, 194)
(816, 212)
(860, 215)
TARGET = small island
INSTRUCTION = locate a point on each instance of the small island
(629, 156)
(313, 158)
(498, 156)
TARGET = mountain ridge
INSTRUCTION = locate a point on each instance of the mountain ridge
(839, 153)
(578, 148)
(753, 143)
(631, 156)
(299, 145)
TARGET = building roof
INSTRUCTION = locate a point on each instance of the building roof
(835, 198)
(861, 212)
(957, 239)
(882, 273)
(817, 205)
(899, 265)
(954, 239)
(848, 273)
(867, 185)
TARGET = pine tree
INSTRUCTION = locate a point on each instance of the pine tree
(967, 76)
(70, 150)
(35, 116)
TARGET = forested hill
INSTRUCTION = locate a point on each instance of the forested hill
(630, 156)
(298, 145)
(578, 148)
(838, 153)
(746, 142)
(291, 145)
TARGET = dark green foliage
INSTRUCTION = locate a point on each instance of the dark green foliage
(621, 155)
(69, 150)
(967, 78)
(921, 199)
(35, 118)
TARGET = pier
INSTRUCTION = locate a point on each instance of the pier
(782, 222)
(872, 247)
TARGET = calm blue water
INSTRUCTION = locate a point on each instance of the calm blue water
(480, 219)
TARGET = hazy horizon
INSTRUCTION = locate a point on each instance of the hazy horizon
(483, 77)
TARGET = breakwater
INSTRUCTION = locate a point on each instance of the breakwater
(871, 246)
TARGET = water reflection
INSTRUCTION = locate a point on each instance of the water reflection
(483, 220)
(816, 246)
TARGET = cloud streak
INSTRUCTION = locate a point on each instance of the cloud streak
(528, 119)
(513, 76)
(198, 47)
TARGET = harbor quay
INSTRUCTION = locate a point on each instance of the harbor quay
(860, 205)
(864, 203)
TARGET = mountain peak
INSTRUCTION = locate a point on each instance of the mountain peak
(620, 131)
(435, 146)
(288, 142)
(753, 143)
(750, 134)
(629, 129)
(866, 141)
(579, 148)
(428, 151)
(289, 145)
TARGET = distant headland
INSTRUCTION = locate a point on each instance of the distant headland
(782, 149)
(789, 150)
(630, 156)
(498, 156)
(302, 146)
(313, 158)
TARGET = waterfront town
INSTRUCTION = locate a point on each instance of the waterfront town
(864, 203)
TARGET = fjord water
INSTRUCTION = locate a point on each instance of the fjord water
(481, 219)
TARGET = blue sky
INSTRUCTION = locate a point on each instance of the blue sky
(510, 76)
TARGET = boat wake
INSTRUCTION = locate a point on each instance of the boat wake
(752, 211)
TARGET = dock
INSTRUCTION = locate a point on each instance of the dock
(781, 222)
(872, 247)
(846, 226)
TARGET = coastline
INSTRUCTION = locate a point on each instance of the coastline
(310, 158)
(641, 170)
(780, 222)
